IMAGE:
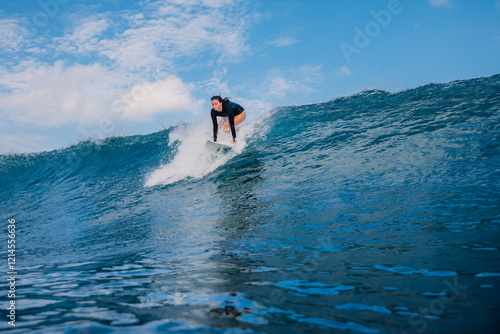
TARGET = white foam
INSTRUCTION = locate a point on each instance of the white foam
(193, 159)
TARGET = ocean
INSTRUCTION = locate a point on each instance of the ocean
(371, 213)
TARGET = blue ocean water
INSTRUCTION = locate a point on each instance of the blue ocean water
(373, 213)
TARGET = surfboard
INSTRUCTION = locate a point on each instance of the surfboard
(218, 145)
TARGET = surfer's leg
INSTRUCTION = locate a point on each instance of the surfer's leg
(237, 120)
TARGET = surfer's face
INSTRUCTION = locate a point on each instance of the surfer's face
(217, 105)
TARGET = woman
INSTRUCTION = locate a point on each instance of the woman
(234, 113)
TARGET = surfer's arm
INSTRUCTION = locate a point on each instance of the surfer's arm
(214, 123)
(230, 116)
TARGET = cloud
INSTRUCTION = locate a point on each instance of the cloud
(150, 98)
(217, 84)
(441, 3)
(162, 33)
(342, 71)
(85, 35)
(279, 82)
(55, 95)
(11, 36)
(256, 107)
(58, 95)
(284, 41)
(111, 58)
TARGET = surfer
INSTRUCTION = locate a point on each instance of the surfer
(232, 113)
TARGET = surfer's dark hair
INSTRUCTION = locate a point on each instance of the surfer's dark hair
(219, 98)
(216, 97)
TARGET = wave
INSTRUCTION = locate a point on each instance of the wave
(192, 159)
(408, 123)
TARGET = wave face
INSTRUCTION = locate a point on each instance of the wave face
(373, 213)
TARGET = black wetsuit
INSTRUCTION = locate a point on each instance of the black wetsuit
(229, 110)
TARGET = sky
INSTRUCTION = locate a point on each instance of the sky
(71, 70)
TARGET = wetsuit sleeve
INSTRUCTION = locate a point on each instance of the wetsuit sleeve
(214, 123)
(230, 115)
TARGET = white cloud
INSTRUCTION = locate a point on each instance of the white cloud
(150, 98)
(12, 34)
(342, 71)
(255, 107)
(441, 3)
(284, 41)
(55, 95)
(130, 51)
(84, 37)
(217, 84)
(52, 96)
(280, 83)
(161, 34)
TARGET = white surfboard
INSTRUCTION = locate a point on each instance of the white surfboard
(218, 145)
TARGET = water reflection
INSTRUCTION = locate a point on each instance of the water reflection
(235, 187)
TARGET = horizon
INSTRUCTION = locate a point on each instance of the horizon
(73, 71)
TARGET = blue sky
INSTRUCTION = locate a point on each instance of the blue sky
(72, 69)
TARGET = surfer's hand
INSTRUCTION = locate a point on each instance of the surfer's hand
(233, 142)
